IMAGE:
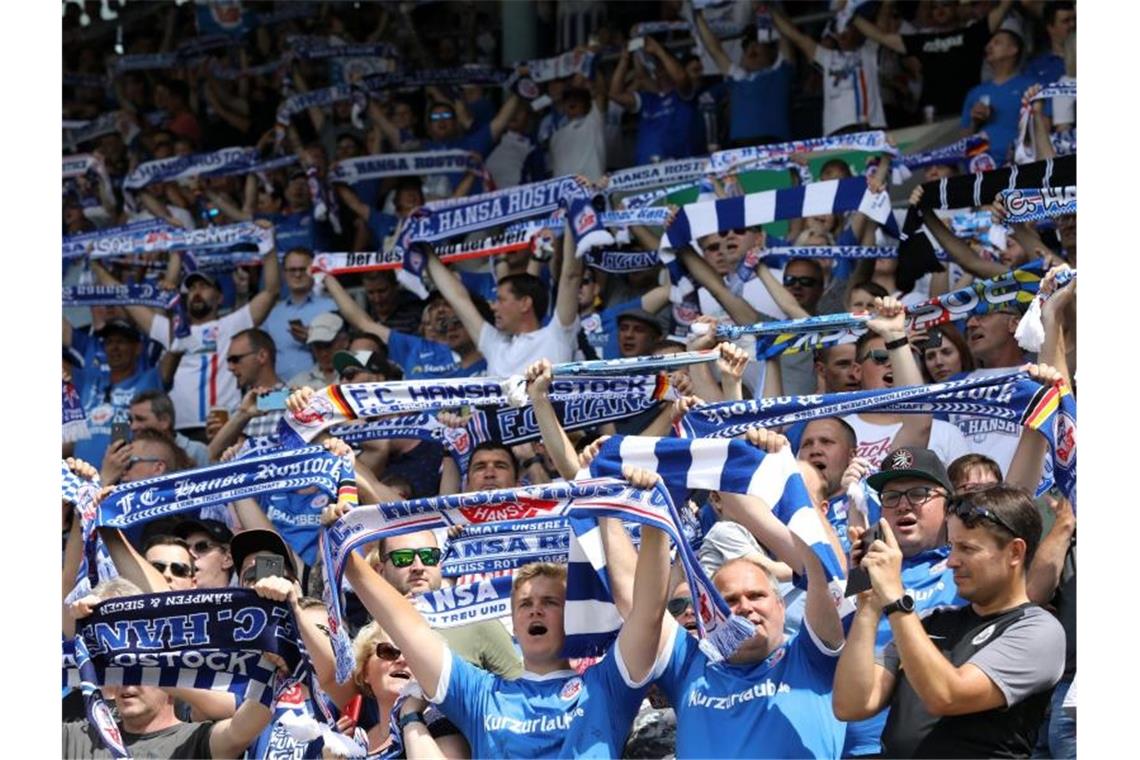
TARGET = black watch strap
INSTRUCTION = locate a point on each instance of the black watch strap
(412, 717)
(904, 603)
(896, 343)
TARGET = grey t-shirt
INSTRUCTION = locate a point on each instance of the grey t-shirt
(184, 740)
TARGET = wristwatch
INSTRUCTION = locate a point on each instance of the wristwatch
(904, 603)
(891, 345)
(413, 717)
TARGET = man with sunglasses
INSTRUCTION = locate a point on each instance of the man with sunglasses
(914, 488)
(252, 358)
(170, 556)
(288, 322)
(444, 133)
(967, 682)
(209, 542)
(411, 564)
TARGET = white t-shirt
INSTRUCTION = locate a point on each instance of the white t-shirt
(850, 87)
(997, 439)
(579, 147)
(508, 355)
(203, 379)
(876, 441)
(506, 161)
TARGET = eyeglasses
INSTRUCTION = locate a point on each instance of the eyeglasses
(738, 231)
(969, 514)
(877, 355)
(177, 569)
(235, 358)
(916, 496)
(441, 116)
(678, 606)
(387, 652)
(202, 547)
(135, 460)
(803, 282)
(404, 557)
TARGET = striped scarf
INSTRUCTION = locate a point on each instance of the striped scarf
(1036, 205)
(77, 246)
(735, 159)
(1011, 396)
(353, 170)
(74, 418)
(916, 251)
(224, 237)
(144, 294)
(955, 153)
(194, 165)
(1025, 146)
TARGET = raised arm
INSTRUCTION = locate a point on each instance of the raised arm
(741, 312)
(262, 303)
(997, 14)
(958, 250)
(790, 31)
(676, 71)
(351, 311)
(870, 31)
(1044, 574)
(349, 198)
(619, 90)
(642, 638)
(781, 295)
(502, 118)
(710, 43)
(452, 288)
(889, 323)
(143, 316)
(862, 687)
(566, 304)
(538, 378)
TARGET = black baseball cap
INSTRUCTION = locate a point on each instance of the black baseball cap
(120, 326)
(369, 361)
(247, 542)
(208, 279)
(213, 528)
(911, 462)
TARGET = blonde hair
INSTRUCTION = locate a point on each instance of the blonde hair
(534, 570)
(363, 647)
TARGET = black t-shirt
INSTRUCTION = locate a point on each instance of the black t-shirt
(1021, 650)
(951, 64)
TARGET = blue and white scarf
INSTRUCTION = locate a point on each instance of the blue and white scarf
(1036, 205)
(1012, 396)
(954, 154)
(635, 364)
(104, 124)
(193, 165)
(92, 81)
(622, 219)
(201, 239)
(510, 545)
(316, 48)
(1025, 146)
(561, 66)
(514, 425)
(834, 251)
(74, 418)
(120, 295)
(353, 170)
(725, 161)
(621, 262)
(146, 62)
(76, 246)
(78, 166)
(588, 630)
(686, 170)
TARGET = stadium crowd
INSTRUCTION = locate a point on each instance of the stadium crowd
(713, 362)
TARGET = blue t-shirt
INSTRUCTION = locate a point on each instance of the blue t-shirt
(560, 714)
(758, 103)
(105, 404)
(926, 577)
(294, 230)
(1046, 68)
(479, 140)
(422, 358)
(382, 225)
(480, 283)
(1005, 106)
(601, 329)
(780, 707)
(297, 517)
(663, 127)
(293, 358)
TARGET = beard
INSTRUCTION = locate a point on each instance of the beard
(199, 308)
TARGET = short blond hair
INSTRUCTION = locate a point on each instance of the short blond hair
(363, 647)
(534, 570)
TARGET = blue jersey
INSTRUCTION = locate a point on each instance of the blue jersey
(560, 714)
(275, 742)
(297, 517)
(780, 707)
(1005, 108)
(422, 358)
(601, 329)
(105, 404)
(663, 127)
(837, 516)
(758, 102)
(926, 577)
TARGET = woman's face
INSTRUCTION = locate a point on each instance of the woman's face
(860, 300)
(942, 362)
(386, 670)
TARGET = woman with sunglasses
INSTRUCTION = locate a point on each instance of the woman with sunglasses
(380, 675)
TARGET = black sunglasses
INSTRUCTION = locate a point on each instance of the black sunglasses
(235, 358)
(405, 557)
(678, 606)
(202, 547)
(803, 282)
(970, 514)
(177, 569)
(387, 652)
(877, 355)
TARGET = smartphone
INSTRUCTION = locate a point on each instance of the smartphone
(933, 340)
(269, 566)
(120, 431)
(296, 323)
(272, 401)
(858, 579)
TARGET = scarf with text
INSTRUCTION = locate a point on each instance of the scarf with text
(955, 153)
(561, 66)
(144, 294)
(353, 170)
(1025, 146)
(77, 246)
(372, 261)
(621, 219)
(74, 418)
(105, 124)
(95, 563)
(916, 251)
(510, 545)
(221, 238)
(674, 172)
(194, 165)
(335, 404)
(1036, 205)
(1012, 396)
(621, 262)
(78, 166)
(735, 159)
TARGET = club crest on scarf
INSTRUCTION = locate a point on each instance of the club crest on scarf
(523, 508)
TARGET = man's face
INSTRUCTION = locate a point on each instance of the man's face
(381, 294)
(748, 593)
(1064, 24)
(322, 351)
(588, 292)
(416, 578)
(737, 242)
(537, 610)
(942, 362)
(982, 569)
(509, 310)
(297, 193)
(917, 527)
(686, 619)
(989, 333)
(826, 446)
(441, 123)
(451, 329)
(242, 361)
(268, 203)
(202, 299)
(1000, 48)
(122, 352)
(840, 370)
(175, 564)
(408, 200)
(715, 253)
(803, 282)
(298, 278)
(1067, 231)
(875, 365)
(942, 14)
(212, 561)
(346, 148)
(402, 115)
(491, 469)
(137, 705)
(635, 338)
(146, 461)
(144, 418)
(860, 300)
(1014, 255)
